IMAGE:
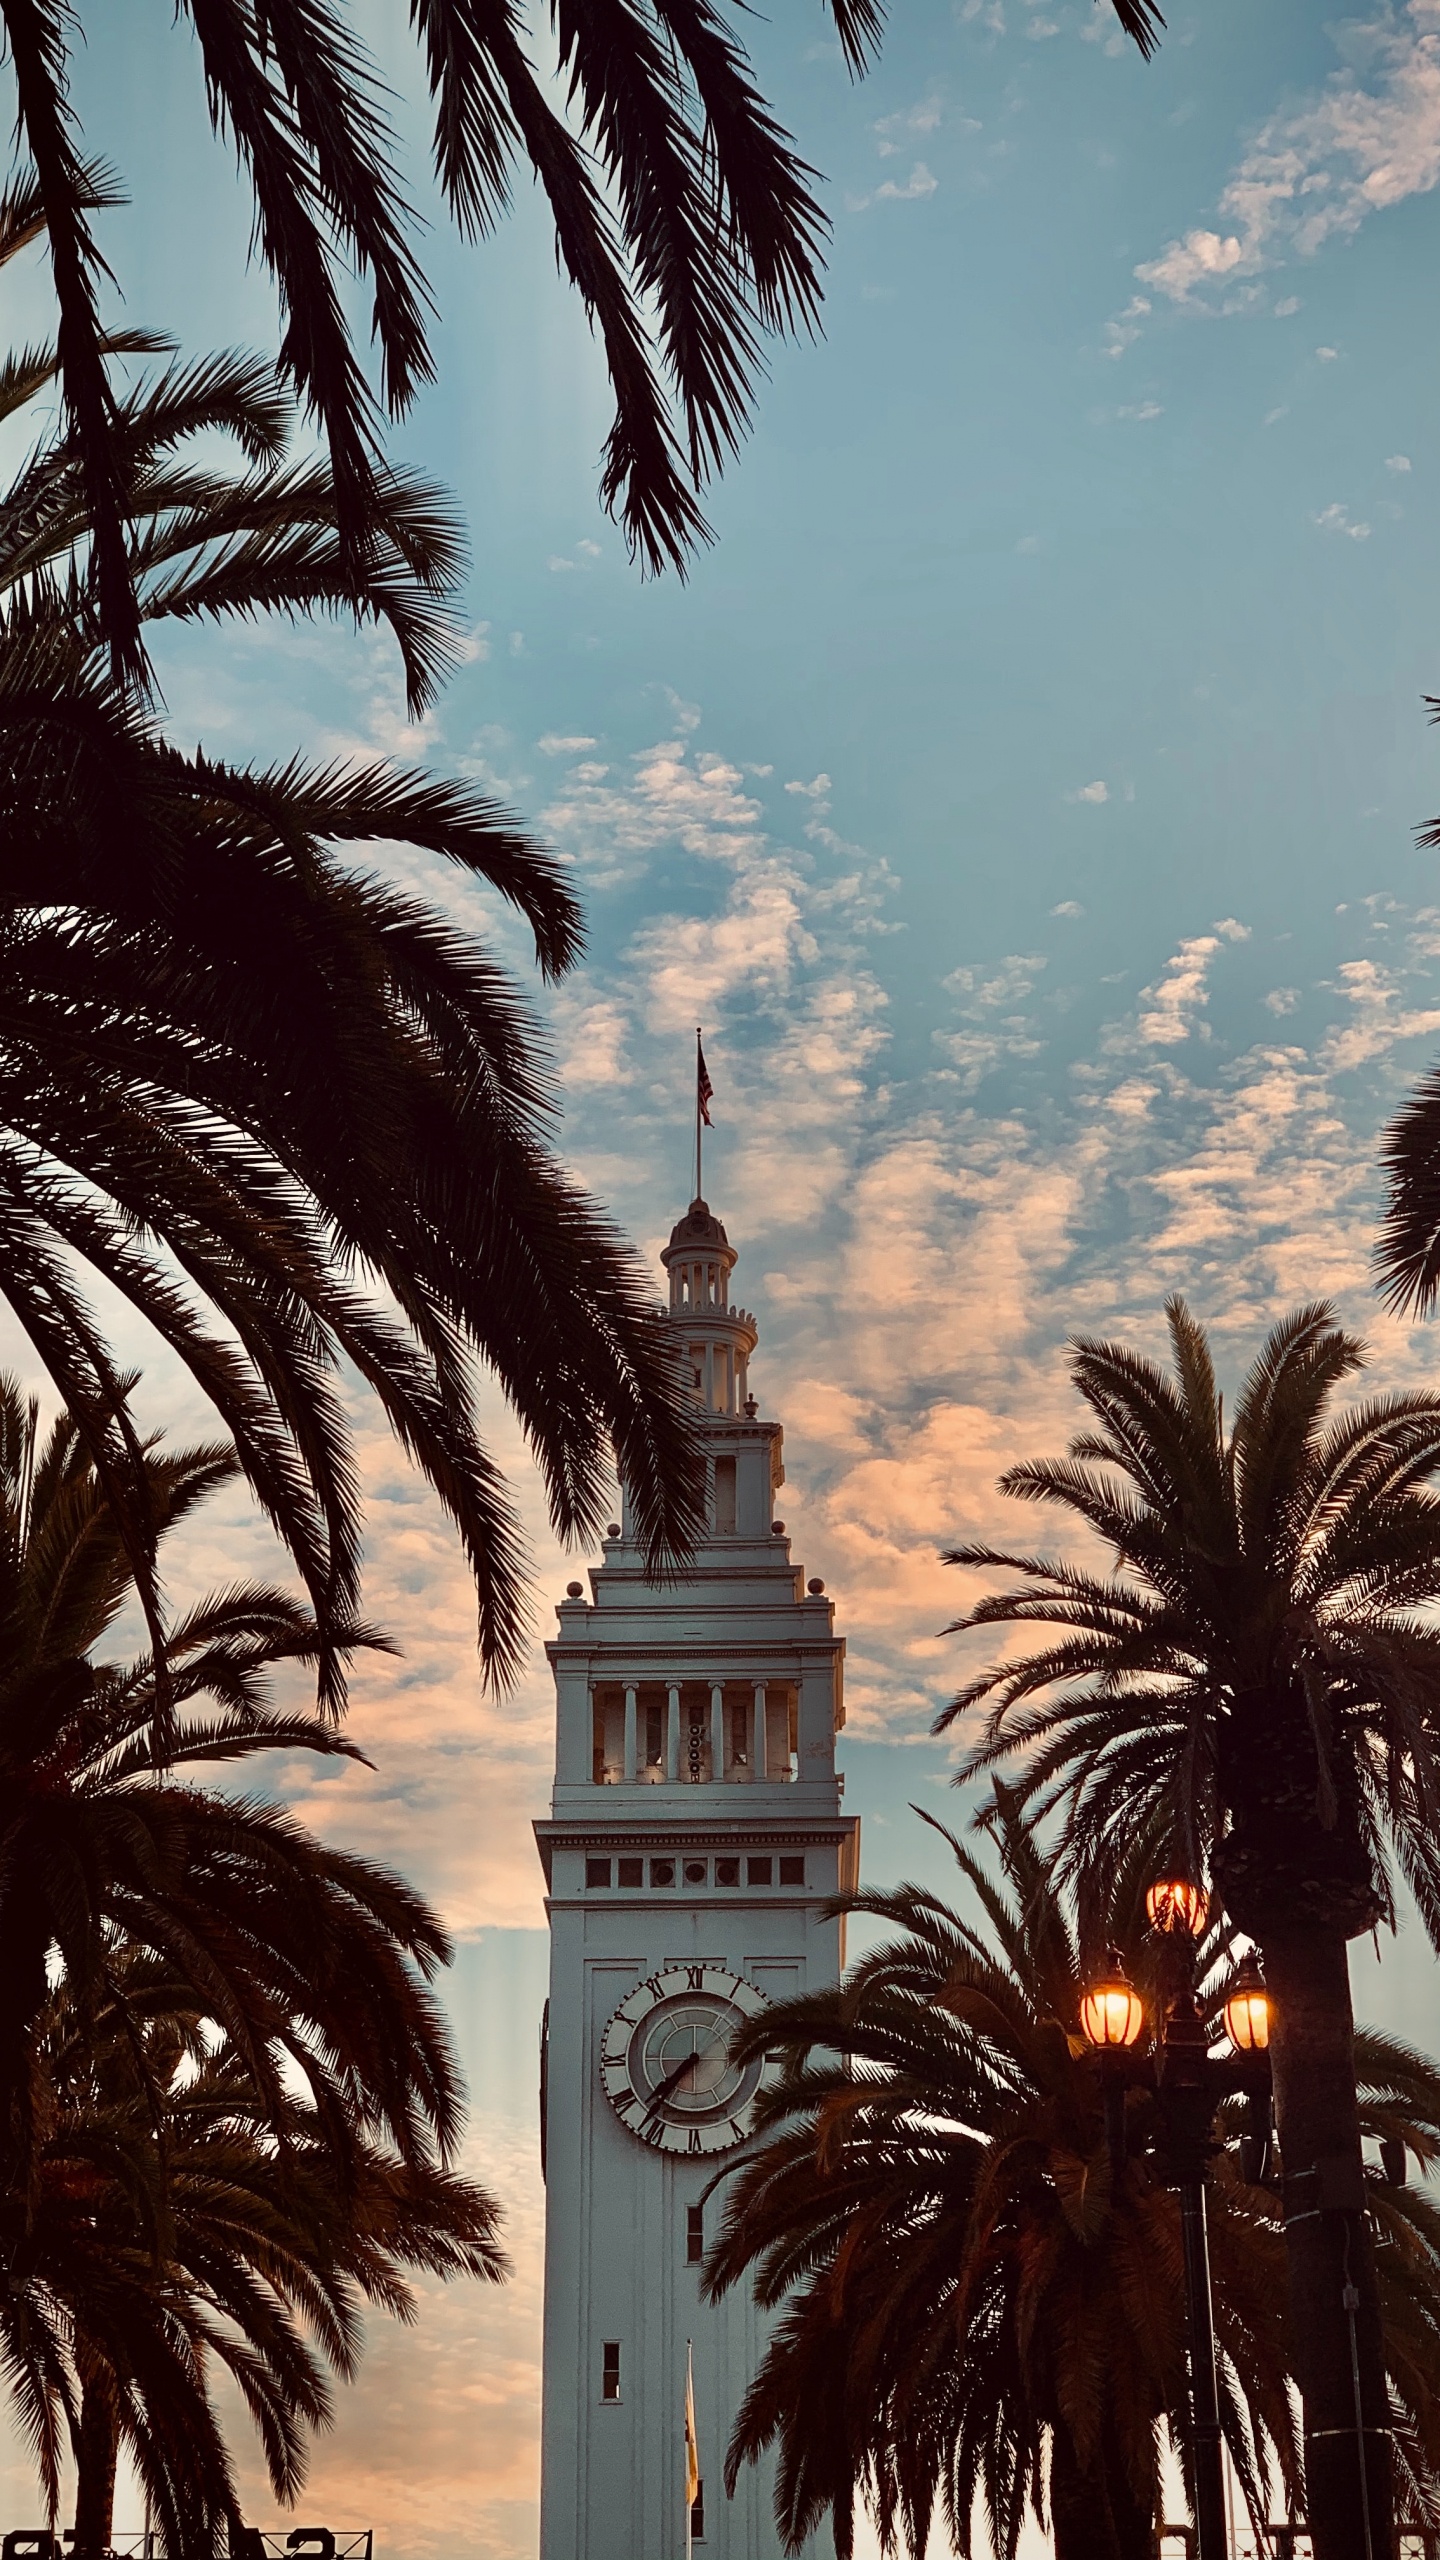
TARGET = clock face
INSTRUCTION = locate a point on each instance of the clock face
(666, 2065)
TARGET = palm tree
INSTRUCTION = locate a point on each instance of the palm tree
(682, 215)
(1253, 1688)
(239, 1080)
(313, 1964)
(202, 538)
(178, 2226)
(974, 2313)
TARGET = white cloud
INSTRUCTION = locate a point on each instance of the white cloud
(920, 183)
(895, 133)
(1328, 355)
(1287, 309)
(1315, 172)
(1122, 333)
(1068, 907)
(1397, 462)
(1282, 1000)
(1097, 793)
(552, 744)
(1173, 1008)
(1337, 519)
(1141, 409)
(1197, 259)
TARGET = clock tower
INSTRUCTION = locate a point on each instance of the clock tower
(695, 1833)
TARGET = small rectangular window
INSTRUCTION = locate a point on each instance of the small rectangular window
(792, 1870)
(597, 1871)
(694, 2235)
(759, 1871)
(727, 1870)
(610, 2370)
(632, 1871)
(725, 1497)
(697, 2513)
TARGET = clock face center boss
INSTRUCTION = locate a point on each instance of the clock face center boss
(666, 2060)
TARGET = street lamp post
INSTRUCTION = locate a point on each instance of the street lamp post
(1188, 2083)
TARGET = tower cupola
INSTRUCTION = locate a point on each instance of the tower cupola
(699, 1259)
(719, 1338)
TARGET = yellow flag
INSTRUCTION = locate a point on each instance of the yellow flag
(692, 2445)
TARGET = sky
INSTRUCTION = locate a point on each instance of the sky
(1022, 794)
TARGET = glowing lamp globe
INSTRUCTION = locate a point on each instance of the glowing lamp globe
(1112, 2012)
(1177, 1908)
(1247, 2011)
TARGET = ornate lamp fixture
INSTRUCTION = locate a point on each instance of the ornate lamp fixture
(1177, 1908)
(1186, 2083)
(1112, 2012)
(1247, 2011)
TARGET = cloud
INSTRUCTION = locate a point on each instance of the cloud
(1068, 907)
(1122, 333)
(1282, 1000)
(1174, 1006)
(895, 133)
(1097, 793)
(1397, 462)
(921, 182)
(1328, 355)
(1197, 259)
(1314, 173)
(1141, 409)
(1337, 519)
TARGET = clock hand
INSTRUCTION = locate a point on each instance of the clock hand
(671, 2083)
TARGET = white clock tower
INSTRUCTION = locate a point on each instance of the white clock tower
(694, 1835)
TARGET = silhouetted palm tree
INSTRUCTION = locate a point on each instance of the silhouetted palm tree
(682, 216)
(241, 1081)
(177, 2226)
(1253, 1688)
(313, 1964)
(204, 539)
(973, 2315)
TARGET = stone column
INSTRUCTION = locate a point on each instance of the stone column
(631, 1771)
(717, 1731)
(672, 1737)
(757, 1746)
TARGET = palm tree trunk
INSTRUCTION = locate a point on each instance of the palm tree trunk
(1336, 2337)
(96, 2455)
(1095, 2515)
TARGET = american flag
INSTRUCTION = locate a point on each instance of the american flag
(704, 1089)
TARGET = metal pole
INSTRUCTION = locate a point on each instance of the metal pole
(1205, 2439)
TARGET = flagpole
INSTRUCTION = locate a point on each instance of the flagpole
(698, 1193)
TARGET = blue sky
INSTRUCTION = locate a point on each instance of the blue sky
(1021, 792)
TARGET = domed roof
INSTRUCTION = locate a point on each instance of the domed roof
(697, 1227)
